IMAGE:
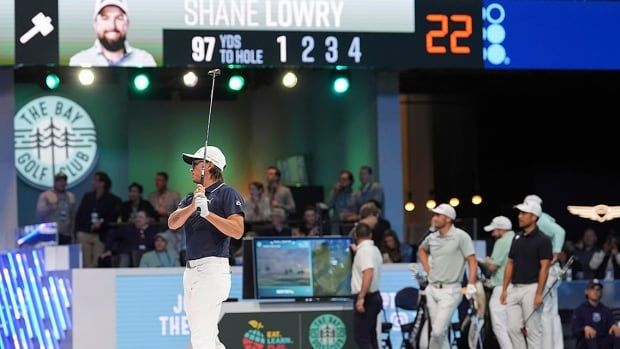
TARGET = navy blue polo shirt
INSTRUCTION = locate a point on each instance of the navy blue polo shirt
(203, 238)
(526, 253)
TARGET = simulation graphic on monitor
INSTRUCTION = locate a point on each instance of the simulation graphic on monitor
(303, 267)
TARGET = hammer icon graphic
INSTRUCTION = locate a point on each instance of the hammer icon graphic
(42, 24)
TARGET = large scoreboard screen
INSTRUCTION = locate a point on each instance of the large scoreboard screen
(263, 33)
(385, 34)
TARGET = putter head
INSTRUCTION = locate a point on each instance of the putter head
(215, 72)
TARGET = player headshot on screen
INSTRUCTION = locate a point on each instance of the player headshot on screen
(111, 23)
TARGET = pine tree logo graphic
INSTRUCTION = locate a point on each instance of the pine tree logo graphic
(54, 134)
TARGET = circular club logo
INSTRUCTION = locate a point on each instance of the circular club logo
(327, 332)
(54, 134)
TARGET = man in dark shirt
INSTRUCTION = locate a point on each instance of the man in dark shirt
(593, 323)
(211, 216)
(97, 210)
(132, 241)
(136, 203)
(525, 277)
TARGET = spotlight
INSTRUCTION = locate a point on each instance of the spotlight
(236, 82)
(341, 84)
(454, 202)
(476, 199)
(190, 79)
(430, 204)
(141, 82)
(289, 80)
(52, 81)
(409, 206)
(86, 77)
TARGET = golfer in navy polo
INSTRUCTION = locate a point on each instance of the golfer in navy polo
(210, 216)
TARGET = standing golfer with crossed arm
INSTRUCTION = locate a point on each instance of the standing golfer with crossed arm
(211, 216)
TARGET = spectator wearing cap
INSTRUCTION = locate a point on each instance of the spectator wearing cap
(593, 323)
(550, 317)
(451, 249)
(98, 209)
(58, 205)
(525, 277)
(280, 196)
(160, 257)
(135, 203)
(501, 230)
(111, 23)
(211, 215)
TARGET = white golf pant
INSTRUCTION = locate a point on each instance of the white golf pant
(442, 302)
(206, 285)
(519, 306)
(499, 319)
(551, 324)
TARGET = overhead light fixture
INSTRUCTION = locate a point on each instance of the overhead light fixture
(341, 84)
(431, 204)
(141, 82)
(190, 79)
(52, 81)
(476, 199)
(454, 202)
(409, 206)
(289, 80)
(236, 82)
(86, 77)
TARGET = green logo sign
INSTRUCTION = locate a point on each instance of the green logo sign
(54, 134)
(327, 332)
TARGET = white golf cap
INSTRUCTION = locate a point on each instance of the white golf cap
(499, 222)
(445, 210)
(100, 4)
(534, 198)
(214, 154)
(530, 207)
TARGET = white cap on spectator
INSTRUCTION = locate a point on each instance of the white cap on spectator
(100, 4)
(499, 222)
(530, 207)
(214, 155)
(534, 198)
(445, 210)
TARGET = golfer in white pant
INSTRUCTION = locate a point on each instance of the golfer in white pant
(500, 229)
(210, 216)
(550, 317)
(448, 249)
(525, 277)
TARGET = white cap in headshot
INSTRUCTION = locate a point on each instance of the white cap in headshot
(445, 210)
(499, 222)
(530, 207)
(100, 4)
(533, 197)
(214, 155)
